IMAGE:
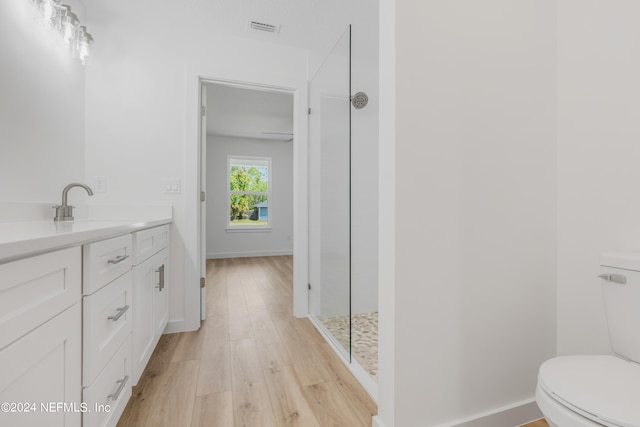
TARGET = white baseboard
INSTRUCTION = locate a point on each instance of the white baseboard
(176, 326)
(507, 416)
(377, 422)
(218, 255)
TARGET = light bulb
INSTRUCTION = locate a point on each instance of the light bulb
(68, 24)
(84, 52)
(48, 10)
(83, 45)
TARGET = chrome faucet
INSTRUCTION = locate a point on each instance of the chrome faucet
(63, 211)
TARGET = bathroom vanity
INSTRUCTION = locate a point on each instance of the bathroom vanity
(82, 306)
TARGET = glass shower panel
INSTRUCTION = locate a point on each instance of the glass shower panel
(330, 195)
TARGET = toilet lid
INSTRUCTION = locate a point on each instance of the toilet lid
(605, 389)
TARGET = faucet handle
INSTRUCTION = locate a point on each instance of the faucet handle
(63, 213)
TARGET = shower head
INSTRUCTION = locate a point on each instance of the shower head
(359, 100)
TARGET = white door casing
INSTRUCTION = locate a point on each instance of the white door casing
(203, 192)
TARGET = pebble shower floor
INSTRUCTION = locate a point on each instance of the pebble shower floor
(364, 330)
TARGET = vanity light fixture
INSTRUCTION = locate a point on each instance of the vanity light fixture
(59, 17)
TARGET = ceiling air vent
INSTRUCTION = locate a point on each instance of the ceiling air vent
(262, 27)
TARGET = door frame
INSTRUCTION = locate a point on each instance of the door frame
(196, 175)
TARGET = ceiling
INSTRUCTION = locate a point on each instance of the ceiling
(306, 24)
(249, 113)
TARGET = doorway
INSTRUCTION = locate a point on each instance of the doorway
(247, 150)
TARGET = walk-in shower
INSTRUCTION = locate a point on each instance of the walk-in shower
(343, 215)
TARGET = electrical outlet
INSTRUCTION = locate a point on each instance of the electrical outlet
(100, 184)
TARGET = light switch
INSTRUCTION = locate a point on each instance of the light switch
(171, 186)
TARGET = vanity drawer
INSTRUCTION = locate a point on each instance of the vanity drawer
(105, 261)
(112, 390)
(148, 242)
(107, 322)
(33, 290)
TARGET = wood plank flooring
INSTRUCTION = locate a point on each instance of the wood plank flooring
(251, 364)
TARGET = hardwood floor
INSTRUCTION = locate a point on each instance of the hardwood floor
(539, 423)
(251, 363)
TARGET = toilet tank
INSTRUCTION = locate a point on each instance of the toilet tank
(620, 277)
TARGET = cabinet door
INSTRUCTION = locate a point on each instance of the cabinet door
(161, 293)
(43, 368)
(143, 329)
(150, 308)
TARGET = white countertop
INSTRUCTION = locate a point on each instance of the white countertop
(20, 239)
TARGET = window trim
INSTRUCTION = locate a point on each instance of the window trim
(245, 228)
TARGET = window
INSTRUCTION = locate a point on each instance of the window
(249, 189)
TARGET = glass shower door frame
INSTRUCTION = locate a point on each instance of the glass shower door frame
(330, 194)
(330, 136)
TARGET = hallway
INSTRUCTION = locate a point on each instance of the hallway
(251, 363)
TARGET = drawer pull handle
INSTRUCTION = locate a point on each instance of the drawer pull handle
(615, 278)
(118, 259)
(121, 311)
(160, 284)
(122, 383)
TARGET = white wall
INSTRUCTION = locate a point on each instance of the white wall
(141, 112)
(598, 152)
(386, 217)
(474, 284)
(41, 110)
(222, 243)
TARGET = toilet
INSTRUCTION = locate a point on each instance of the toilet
(593, 391)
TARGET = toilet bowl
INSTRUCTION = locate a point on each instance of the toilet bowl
(589, 391)
(593, 391)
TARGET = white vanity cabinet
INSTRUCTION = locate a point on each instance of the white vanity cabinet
(150, 293)
(40, 340)
(107, 325)
(79, 322)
